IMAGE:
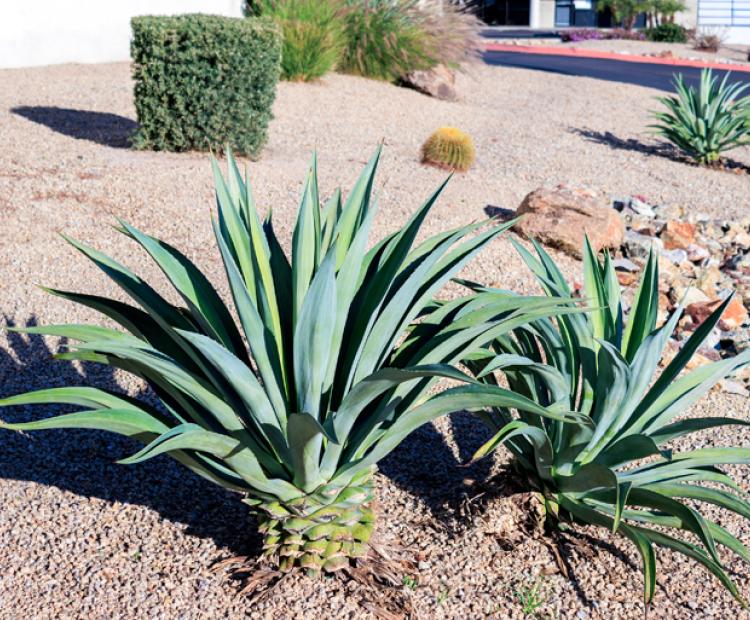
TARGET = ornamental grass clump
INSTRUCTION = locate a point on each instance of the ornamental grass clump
(332, 364)
(388, 39)
(313, 35)
(450, 148)
(619, 469)
(705, 122)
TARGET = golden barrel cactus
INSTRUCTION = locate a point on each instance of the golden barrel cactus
(451, 148)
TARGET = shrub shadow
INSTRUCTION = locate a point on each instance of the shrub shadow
(83, 461)
(99, 127)
(607, 138)
(658, 149)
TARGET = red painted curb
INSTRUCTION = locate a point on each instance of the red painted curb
(584, 53)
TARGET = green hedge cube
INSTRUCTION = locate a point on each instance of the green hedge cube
(204, 82)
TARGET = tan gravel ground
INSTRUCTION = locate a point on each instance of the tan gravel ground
(81, 537)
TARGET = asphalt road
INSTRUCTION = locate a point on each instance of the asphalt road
(642, 74)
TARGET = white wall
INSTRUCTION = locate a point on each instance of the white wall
(44, 32)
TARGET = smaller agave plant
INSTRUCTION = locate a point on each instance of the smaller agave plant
(329, 368)
(705, 122)
(618, 469)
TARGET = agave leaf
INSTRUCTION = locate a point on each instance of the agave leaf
(690, 519)
(313, 337)
(370, 298)
(638, 536)
(130, 421)
(697, 554)
(262, 343)
(305, 242)
(691, 425)
(158, 308)
(355, 208)
(642, 320)
(82, 396)
(629, 448)
(469, 398)
(206, 307)
(238, 458)
(305, 440)
(241, 379)
(364, 393)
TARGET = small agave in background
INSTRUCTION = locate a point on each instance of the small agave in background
(705, 122)
(332, 365)
(618, 469)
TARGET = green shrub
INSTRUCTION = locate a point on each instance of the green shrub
(388, 39)
(203, 81)
(384, 39)
(313, 35)
(705, 122)
(619, 467)
(667, 33)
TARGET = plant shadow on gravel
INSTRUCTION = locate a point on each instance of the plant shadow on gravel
(99, 127)
(658, 149)
(83, 461)
(425, 466)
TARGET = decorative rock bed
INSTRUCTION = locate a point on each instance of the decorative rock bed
(701, 260)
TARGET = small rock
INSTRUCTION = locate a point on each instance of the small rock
(678, 235)
(742, 240)
(734, 315)
(736, 262)
(688, 296)
(709, 279)
(668, 212)
(699, 311)
(699, 218)
(561, 217)
(675, 256)
(734, 387)
(638, 245)
(623, 264)
(438, 82)
(626, 278)
(641, 207)
(646, 225)
(663, 309)
(700, 358)
(697, 253)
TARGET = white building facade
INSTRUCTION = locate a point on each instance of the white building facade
(43, 32)
(729, 18)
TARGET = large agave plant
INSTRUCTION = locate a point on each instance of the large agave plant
(618, 469)
(705, 122)
(326, 373)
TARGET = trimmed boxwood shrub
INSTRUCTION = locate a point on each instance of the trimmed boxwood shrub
(668, 33)
(204, 81)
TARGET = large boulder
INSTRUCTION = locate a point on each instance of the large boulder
(561, 217)
(438, 82)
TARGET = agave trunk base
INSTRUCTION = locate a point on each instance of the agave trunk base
(318, 535)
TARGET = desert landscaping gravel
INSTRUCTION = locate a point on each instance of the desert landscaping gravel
(82, 537)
